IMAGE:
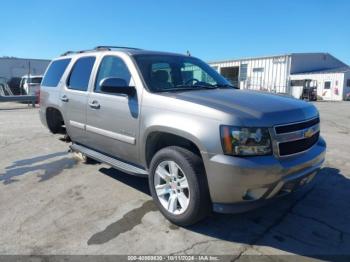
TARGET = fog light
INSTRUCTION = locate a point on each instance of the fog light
(254, 194)
(304, 181)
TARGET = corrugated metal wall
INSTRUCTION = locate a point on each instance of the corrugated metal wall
(265, 73)
(17, 67)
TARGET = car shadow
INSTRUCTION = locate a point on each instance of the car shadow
(30, 161)
(136, 182)
(26, 107)
(312, 222)
(46, 167)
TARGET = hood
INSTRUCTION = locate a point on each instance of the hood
(251, 108)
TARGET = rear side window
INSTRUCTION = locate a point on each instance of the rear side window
(80, 74)
(55, 72)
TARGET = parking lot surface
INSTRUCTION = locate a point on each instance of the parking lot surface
(52, 203)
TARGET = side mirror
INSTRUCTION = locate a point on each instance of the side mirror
(116, 86)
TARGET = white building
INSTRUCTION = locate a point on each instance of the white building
(276, 73)
(332, 84)
(12, 67)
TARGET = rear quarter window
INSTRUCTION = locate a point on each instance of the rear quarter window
(55, 72)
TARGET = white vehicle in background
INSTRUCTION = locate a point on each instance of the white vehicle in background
(30, 84)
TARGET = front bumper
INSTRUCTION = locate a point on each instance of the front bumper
(252, 181)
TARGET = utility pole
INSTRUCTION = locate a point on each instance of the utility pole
(29, 69)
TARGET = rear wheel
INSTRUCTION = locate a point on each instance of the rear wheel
(178, 185)
(54, 121)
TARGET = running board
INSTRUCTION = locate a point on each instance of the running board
(109, 160)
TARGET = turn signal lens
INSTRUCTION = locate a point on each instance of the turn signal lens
(227, 140)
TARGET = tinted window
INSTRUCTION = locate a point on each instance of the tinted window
(55, 72)
(112, 66)
(161, 71)
(80, 74)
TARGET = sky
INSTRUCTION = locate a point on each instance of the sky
(211, 30)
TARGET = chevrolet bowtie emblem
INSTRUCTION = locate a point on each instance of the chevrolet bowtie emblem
(308, 133)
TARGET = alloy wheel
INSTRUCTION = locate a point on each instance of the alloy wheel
(171, 186)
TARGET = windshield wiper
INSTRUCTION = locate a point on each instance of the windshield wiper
(225, 86)
(186, 88)
(192, 87)
(201, 86)
(196, 86)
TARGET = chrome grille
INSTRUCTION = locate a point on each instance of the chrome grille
(296, 126)
(297, 137)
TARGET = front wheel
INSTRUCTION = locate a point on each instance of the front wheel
(178, 185)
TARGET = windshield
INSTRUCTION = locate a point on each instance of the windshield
(170, 73)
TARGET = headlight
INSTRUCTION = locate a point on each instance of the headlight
(243, 141)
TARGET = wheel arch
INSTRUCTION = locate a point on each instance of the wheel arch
(159, 137)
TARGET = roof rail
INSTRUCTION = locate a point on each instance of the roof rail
(99, 48)
(68, 53)
(108, 47)
(77, 52)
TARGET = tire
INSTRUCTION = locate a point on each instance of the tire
(54, 122)
(55, 127)
(191, 167)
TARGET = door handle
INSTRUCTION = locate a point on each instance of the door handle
(95, 104)
(64, 98)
